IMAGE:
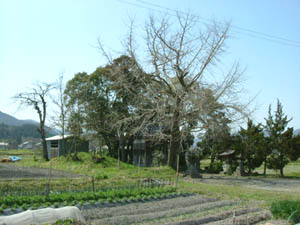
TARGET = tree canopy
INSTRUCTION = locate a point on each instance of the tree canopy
(179, 89)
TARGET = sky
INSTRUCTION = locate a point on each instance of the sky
(41, 39)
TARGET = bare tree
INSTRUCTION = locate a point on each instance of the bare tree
(183, 83)
(36, 97)
(60, 101)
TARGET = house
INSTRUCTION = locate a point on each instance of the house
(59, 145)
(26, 145)
(3, 145)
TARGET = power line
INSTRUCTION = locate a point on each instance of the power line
(237, 29)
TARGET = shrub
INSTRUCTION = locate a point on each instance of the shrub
(100, 176)
(159, 158)
(215, 167)
(287, 209)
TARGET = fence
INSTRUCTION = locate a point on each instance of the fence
(36, 186)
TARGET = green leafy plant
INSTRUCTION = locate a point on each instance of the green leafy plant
(56, 204)
(25, 206)
(71, 198)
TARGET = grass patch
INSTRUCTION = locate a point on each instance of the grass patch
(287, 209)
(106, 174)
(20, 152)
(107, 169)
(291, 170)
(236, 192)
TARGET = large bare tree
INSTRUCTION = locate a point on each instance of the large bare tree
(184, 83)
(37, 97)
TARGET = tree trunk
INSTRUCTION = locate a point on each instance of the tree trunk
(242, 160)
(175, 141)
(43, 137)
(42, 117)
(130, 150)
(242, 170)
(44, 144)
(281, 165)
(182, 161)
(116, 146)
(265, 166)
(75, 156)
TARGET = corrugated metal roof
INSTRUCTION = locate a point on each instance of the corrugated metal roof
(3, 143)
(58, 137)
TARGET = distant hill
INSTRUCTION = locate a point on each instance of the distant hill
(297, 132)
(12, 127)
(12, 121)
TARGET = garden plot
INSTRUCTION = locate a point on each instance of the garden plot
(194, 209)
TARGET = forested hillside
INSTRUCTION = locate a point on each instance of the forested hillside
(26, 130)
(14, 131)
(12, 121)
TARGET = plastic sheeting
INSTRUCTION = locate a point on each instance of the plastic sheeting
(43, 216)
(14, 158)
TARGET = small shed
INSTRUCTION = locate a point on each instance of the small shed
(59, 145)
(26, 145)
(3, 145)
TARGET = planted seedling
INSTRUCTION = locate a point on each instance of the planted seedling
(56, 204)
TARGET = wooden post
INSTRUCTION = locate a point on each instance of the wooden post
(119, 158)
(139, 169)
(93, 183)
(47, 191)
(177, 172)
(70, 184)
(49, 179)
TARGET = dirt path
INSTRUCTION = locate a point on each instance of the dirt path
(12, 171)
(275, 184)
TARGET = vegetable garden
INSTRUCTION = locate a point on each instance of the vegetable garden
(134, 195)
(11, 204)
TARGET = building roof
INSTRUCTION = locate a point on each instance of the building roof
(227, 153)
(58, 137)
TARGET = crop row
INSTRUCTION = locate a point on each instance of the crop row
(148, 207)
(152, 216)
(56, 199)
